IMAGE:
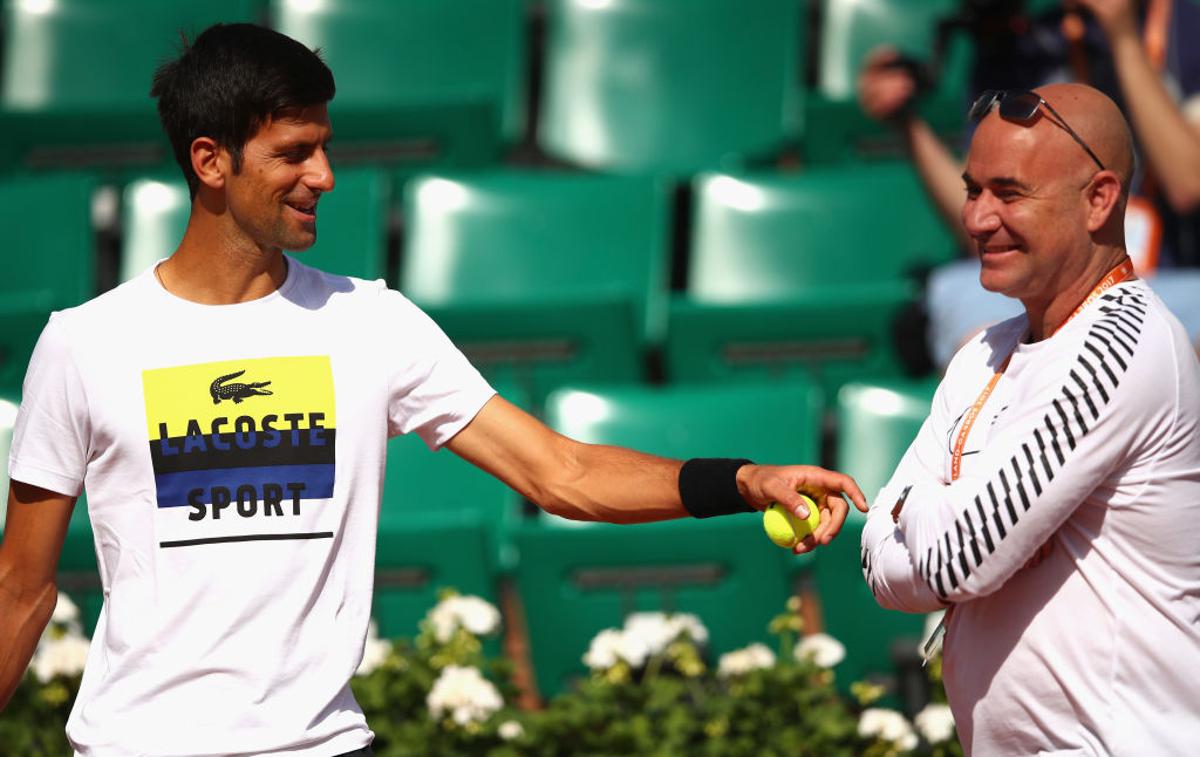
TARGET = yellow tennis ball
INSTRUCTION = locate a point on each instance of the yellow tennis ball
(785, 529)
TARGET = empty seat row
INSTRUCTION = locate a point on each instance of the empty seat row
(626, 85)
(545, 278)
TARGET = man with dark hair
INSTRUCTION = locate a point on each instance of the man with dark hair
(1051, 500)
(229, 411)
(262, 74)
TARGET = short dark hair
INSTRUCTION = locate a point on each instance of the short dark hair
(231, 80)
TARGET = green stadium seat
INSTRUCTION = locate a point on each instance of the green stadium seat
(575, 579)
(660, 85)
(351, 224)
(154, 215)
(419, 81)
(443, 524)
(49, 260)
(541, 278)
(876, 422)
(835, 127)
(801, 273)
(77, 75)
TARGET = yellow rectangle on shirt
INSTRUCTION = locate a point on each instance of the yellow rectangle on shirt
(229, 388)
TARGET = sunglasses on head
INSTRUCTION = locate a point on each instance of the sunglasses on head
(1022, 105)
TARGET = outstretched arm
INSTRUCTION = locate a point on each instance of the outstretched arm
(1170, 143)
(33, 538)
(885, 92)
(605, 483)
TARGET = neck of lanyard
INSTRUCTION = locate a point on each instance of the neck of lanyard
(1122, 272)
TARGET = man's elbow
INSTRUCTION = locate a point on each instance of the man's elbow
(561, 507)
(33, 596)
(914, 602)
(557, 490)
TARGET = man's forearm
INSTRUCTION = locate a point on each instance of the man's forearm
(940, 172)
(888, 566)
(607, 483)
(24, 613)
(33, 539)
(612, 484)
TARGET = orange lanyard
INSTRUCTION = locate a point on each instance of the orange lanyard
(1123, 272)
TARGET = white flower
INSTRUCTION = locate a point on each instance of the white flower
(656, 630)
(65, 610)
(510, 729)
(375, 651)
(464, 694)
(611, 645)
(63, 656)
(889, 725)
(477, 615)
(822, 649)
(935, 722)
(742, 661)
(687, 623)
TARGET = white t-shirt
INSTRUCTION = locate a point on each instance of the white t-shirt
(1091, 441)
(233, 458)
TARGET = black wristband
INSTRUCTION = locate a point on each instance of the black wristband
(708, 487)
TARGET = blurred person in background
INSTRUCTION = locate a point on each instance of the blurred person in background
(1051, 500)
(229, 410)
(1144, 56)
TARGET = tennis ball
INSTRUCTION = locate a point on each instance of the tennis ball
(785, 529)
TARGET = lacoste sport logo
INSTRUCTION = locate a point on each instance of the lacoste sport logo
(236, 392)
(229, 475)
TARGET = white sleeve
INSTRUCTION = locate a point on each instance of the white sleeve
(887, 563)
(433, 389)
(51, 437)
(1062, 441)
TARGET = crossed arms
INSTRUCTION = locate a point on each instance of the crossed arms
(955, 541)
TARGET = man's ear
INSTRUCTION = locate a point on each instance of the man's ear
(210, 161)
(1103, 197)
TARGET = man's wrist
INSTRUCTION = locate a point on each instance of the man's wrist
(711, 486)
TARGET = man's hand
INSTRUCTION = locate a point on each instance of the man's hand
(760, 485)
(884, 88)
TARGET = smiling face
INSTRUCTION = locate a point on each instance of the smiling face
(1026, 208)
(272, 198)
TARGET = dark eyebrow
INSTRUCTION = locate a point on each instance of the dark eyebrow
(1008, 181)
(305, 144)
(999, 181)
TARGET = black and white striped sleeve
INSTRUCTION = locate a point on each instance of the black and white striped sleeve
(968, 538)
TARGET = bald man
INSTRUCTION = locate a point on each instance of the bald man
(1134, 52)
(1051, 501)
